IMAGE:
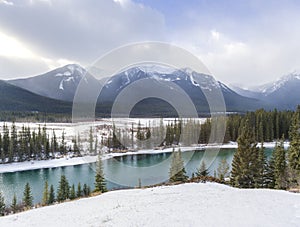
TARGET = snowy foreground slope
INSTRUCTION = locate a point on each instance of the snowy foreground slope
(192, 204)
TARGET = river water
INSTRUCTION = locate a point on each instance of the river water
(121, 172)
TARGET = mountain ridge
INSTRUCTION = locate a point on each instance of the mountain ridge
(61, 84)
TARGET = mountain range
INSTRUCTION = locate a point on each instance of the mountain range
(55, 90)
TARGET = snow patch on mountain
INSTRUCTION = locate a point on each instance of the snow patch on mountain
(61, 85)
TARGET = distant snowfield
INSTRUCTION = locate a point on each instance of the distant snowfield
(53, 163)
(191, 204)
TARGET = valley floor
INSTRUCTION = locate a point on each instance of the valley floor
(193, 204)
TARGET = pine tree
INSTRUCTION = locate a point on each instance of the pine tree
(72, 192)
(223, 169)
(27, 196)
(177, 171)
(45, 199)
(14, 206)
(91, 140)
(6, 141)
(96, 145)
(280, 166)
(51, 195)
(244, 164)
(139, 135)
(2, 205)
(202, 171)
(79, 190)
(63, 190)
(86, 190)
(100, 185)
(63, 149)
(260, 176)
(294, 151)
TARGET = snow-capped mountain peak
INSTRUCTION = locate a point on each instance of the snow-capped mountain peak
(72, 73)
(284, 80)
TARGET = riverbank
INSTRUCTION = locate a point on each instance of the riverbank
(191, 204)
(66, 161)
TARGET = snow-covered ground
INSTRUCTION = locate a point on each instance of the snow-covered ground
(191, 204)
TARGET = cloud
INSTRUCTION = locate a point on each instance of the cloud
(248, 43)
(249, 47)
(79, 31)
(6, 2)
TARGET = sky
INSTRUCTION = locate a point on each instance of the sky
(245, 43)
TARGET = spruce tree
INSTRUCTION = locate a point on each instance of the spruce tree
(63, 189)
(203, 170)
(294, 151)
(72, 192)
(86, 190)
(2, 205)
(177, 171)
(27, 196)
(260, 177)
(223, 169)
(91, 141)
(14, 206)
(244, 164)
(45, 199)
(280, 166)
(79, 190)
(51, 195)
(100, 185)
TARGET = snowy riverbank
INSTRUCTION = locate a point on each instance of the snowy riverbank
(191, 204)
(31, 165)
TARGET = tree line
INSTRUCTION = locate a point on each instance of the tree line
(64, 192)
(250, 168)
(28, 145)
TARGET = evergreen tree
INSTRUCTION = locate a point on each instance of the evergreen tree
(27, 196)
(6, 141)
(139, 135)
(202, 171)
(177, 171)
(96, 145)
(244, 164)
(91, 140)
(51, 195)
(63, 149)
(2, 205)
(13, 145)
(79, 190)
(86, 190)
(260, 177)
(63, 191)
(45, 199)
(294, 151)
(2, 155)
(72, 192)
(100, 185)
(14, 206)
(280, 166)
(223, 169)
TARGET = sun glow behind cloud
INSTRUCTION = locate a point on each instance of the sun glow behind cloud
(12, 47)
